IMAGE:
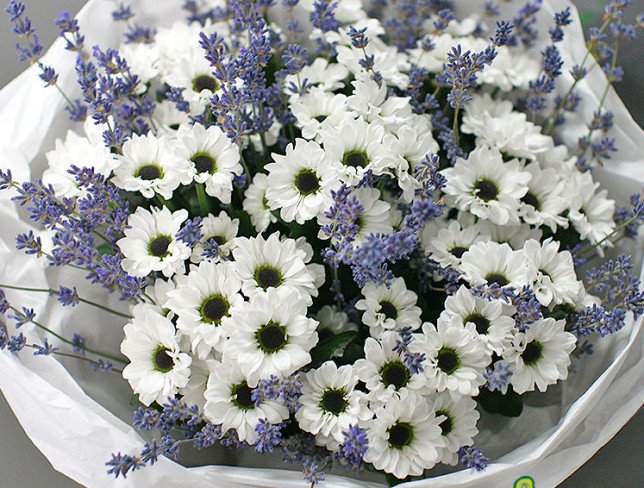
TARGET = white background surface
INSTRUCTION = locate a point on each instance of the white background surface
(21, 464)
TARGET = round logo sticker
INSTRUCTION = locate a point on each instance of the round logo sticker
(524, 482)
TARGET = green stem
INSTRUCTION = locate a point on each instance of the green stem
(244, 165)
(611, 234)
(67, 341)
(165, 203)
(83, 358)
(56, 292)
(552, 118)
(455, 133)
(202, 198)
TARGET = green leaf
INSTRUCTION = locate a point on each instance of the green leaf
(105, 249)
(135, 402)
(587, 18)
(324, 350)
(509, 405)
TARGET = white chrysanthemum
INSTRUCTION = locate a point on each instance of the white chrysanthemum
(167, 118)
(540, 356)
(193, 74)
(434, 60)
(459, 426)
(318, 111)
(559, 159)
(346, 12)
(513, 135)
(544, 203)
(229, 403)
(333, 322)
(371, 101)
(149, 166)
(222, 230)
(373, 219)
(354, 147)
(405, 437)
(212, 157)
(591, 213)
(454, 358)
(270, 263)
(554, 280)
(194, 392)
(150, 242)
(330, 403)
(480, 108)
(143, 61)
(322, 75)
(157, 367)
(157, 293)
(490, 262)
(448, 245)
(493, 328)
(271, 335)
(510, 69)
(391, 63)
(175, 41)
(388, 308)
(300, 182)
(486, 186)
(255, 203)
(513, 235)
(202, 301)
(384, 372)
(411, 145)
(77, 151)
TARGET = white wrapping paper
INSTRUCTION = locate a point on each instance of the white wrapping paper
(78, 418)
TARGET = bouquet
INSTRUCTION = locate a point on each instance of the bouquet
(341, 232)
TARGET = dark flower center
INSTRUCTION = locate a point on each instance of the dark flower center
(307, 182)
(395, 373)
(400, 435)
(219, 240)
(532, 353)
(355, 159)
(359, 223)
(487, 190)
(159, 246)
(482, 323)
(149, 172)
(497, 278)
(445, 425)
(242, 396)
(267, 276)
(458, 251)
(204, 82)
(204, 163)
(333, 401)
(321, 118)
(389, 310)
(271, 337)
(214, 309)
(447, 360)
(531, 199)
(162, 360)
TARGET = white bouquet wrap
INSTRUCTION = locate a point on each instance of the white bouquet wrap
(77, 422)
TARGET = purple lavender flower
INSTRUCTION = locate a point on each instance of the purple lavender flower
(269, 435)
(352, 450)
(45, 350)
(499, 377)
(122, 464)
(17, 343)
(471, 457)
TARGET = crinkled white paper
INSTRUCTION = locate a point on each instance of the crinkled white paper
(78, 418)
